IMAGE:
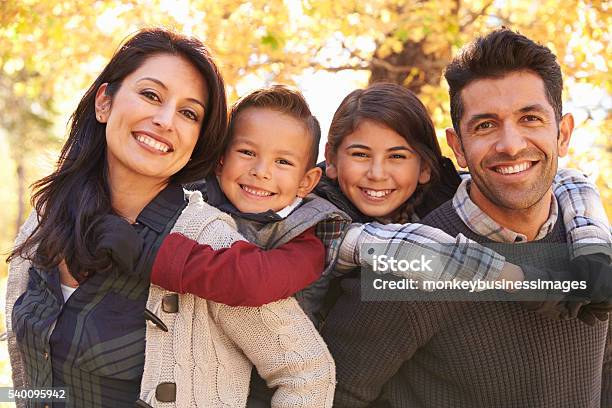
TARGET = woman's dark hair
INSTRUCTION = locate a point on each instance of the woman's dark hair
(398, 109)
(70, 201)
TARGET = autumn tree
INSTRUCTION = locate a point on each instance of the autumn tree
(49, 51)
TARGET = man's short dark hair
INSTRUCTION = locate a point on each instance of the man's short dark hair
(287, 100)
(495, 55)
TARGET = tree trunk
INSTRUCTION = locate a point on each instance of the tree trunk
(412, 67)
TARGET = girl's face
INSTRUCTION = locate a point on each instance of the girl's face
(153, 121)
(376, 168)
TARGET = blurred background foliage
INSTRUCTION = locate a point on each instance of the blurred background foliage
(50, 51)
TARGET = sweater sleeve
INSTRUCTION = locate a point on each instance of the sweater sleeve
(452, 257)
(287, 350)
(586, 223)
(241, 275)
(16, 285)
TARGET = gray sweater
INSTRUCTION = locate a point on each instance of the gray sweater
(465, 354)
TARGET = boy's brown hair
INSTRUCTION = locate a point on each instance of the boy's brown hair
(284, 99)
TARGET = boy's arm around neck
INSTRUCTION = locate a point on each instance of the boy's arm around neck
(241, 275)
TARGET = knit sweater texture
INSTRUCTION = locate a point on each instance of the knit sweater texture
(466, 354)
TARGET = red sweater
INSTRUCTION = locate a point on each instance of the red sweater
(241, 275)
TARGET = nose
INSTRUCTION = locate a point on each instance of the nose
(164, 117)
(260, 170)
(377, 170)
(511, 140)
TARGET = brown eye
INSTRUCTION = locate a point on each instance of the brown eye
(190, 115)
(151, 95)
(284, 162)
(484, 126)
(359, 154)
(531, 118)
(246, 152)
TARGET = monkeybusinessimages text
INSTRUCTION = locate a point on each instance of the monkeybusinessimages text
(383, 264)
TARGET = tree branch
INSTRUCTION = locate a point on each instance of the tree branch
(473, 16)
(342, 68)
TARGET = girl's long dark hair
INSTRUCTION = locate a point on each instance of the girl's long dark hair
(397, 108)
(72, 200)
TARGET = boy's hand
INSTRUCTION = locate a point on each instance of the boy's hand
(118, 241)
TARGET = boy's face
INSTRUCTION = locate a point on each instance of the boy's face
(265, 166)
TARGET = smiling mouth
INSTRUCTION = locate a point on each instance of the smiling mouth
(514, 169)
(155, 144)
(256, 191)
(376, 193)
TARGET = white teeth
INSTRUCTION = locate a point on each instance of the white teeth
(260, 193)
(517, 168)
(149, 141)
(377, 193)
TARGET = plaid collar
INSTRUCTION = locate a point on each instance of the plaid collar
(162, 208)
(479, 222)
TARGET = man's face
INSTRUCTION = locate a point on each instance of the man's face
(510, 140)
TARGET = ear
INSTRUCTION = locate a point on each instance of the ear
(102, 104)
(566, 127)
(330, 166)
(454, 141)
(219, 166)
(425, 173)
(309, 181)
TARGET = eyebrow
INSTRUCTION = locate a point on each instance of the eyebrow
(160, 83)
(533, 108)
(391, 149)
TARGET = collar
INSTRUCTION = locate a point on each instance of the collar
(480, 223)
(330, 190)
(284, 213)
(216, 198)
(162, 208)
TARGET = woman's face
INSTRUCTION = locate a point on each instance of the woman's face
(153, 121)
(376, 168)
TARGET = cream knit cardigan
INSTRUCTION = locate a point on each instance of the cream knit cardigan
(210, 348)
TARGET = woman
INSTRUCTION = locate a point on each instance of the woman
(79, 277)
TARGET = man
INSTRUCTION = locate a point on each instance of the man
(509, 131)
